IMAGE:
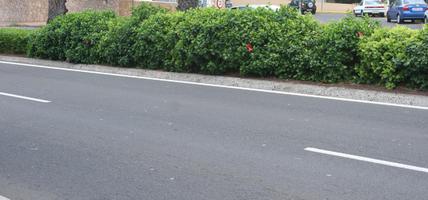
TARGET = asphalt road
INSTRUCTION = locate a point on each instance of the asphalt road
(99, 137)
(327, 17)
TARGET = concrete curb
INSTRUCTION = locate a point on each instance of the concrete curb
(309, 89)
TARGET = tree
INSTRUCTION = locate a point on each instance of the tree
(56, 8)
(184, 5)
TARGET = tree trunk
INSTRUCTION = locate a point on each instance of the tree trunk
(56, 8)
(184, 5)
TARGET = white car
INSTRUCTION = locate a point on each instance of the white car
(426, 17)
(370, 7)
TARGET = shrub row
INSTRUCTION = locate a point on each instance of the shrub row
(250, 42)
(14, 40)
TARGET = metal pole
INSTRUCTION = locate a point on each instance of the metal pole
(322, 5)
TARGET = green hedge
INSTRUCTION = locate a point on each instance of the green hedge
(334, 49)
(14, 40)
(416, 64)
(250, 42)
(73, 37)
(380, 54)
(219, 41)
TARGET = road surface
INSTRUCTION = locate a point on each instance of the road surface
(327, 17)
(67, 135)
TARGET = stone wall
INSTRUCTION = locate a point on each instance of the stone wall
(82, 5)
(35, 12)
(245, 2)
(125, 6)
(32, 12)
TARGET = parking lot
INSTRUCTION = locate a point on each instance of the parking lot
(326, 17)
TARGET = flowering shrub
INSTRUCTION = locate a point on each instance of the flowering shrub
(73, 37)
(250, 42)
(331, 51)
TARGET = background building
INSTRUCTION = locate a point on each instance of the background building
(35, 12)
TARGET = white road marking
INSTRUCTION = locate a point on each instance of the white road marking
(3, 198)
(366, 159)
(24, 97)
(222, 86)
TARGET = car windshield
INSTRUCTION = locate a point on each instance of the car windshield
(414, 2)
(373, 2)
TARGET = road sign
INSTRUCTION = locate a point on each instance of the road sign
(219, 4)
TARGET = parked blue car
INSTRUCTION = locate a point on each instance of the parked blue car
(401, 10)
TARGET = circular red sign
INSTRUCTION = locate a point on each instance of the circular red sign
(219, 4)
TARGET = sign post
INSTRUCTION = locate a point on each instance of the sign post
(220, 4)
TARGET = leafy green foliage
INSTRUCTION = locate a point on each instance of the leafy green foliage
(116, 46)
(14, 40)
(144, 10)
(252, 42)
(155, 41)
(73, 37)
(380, 51)
(219, 41)
(334, 49)
(415, 66)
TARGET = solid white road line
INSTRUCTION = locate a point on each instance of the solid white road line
(24, 97)
(366, 159)
(221, 86)
(3, 198)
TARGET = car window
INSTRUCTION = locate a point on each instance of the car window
(397, 3)
(373, 2)
(414, 2)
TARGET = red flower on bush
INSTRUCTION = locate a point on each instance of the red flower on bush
(249, 48)
(361, 35)
(87, 41)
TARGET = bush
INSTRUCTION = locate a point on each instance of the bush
(155, 40)
(334, 49)
(415, 65)
(116, 45)
(219, 41)
(144, 10)
(73, 37)
(380, 52)
(14, 40)
(252, 42)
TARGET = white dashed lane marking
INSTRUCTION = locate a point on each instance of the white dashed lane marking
(3, 198)
(23, 97)
(366, 159)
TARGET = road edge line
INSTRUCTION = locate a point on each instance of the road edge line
(220, 86)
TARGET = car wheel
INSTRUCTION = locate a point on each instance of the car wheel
(313, 12)
(388, 19)
(382, 14)
(399, 20)
(303, 12)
